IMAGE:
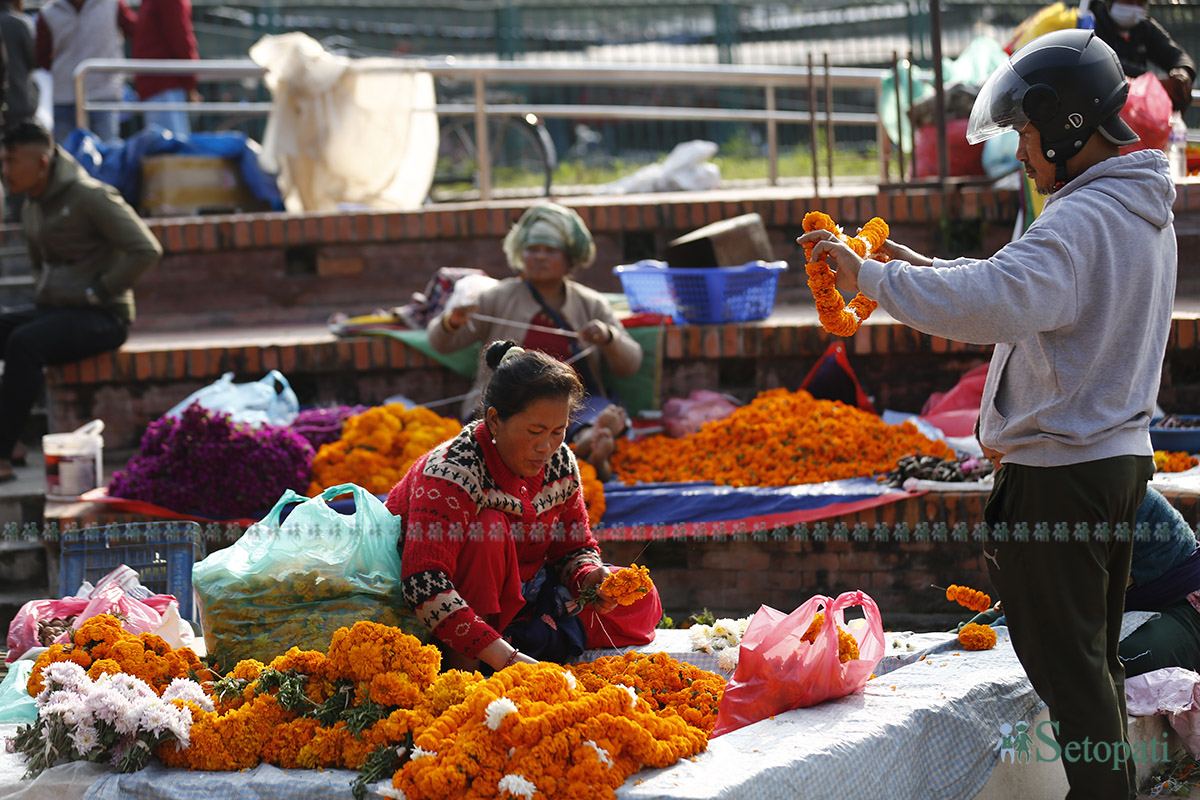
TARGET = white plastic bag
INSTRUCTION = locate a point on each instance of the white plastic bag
(268, 401)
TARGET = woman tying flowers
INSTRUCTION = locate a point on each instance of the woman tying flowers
(496, 545)
(544, 248)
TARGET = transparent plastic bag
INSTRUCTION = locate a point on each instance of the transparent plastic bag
(295, 582)
(268, 401)
(778, 671)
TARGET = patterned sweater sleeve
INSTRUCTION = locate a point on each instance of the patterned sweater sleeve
(577, 553)
(437, 513)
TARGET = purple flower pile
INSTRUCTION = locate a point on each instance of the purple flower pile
(323, 425)
(202, 463)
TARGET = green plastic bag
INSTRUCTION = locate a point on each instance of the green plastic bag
(294, 583)
(15, 703)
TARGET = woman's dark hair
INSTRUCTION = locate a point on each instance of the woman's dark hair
(526, 377)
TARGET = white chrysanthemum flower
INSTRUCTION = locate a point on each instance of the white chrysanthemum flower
(66, 675)
(110, 706)
(632, 694)
(743, 624)
(721, 628)
(601, 754)
(179, 723)
(132, 688)
(188, 690)
(517, 786)
(152, 715)
(417, 752)
(385, 789)
(699, 635)
(571, 682)
(84, 738)
(497, 710)
(727, 659)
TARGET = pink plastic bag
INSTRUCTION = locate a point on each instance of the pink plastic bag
(1148, 112)
(954, 412)
(777, 671)
(136, 616)
(682, 416)
(23, 630)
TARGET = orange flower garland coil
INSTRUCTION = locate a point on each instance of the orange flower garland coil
(782, 438)
(977, 637)
(969, 598)
(628, 585)
(836, 319)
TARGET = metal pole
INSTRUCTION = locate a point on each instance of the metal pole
(829, 136)
(899, 112)
(482, 149)
(935, 19)
(812, 116)
(772, 138)
(912, 128)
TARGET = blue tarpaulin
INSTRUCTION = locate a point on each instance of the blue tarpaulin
(120, 164)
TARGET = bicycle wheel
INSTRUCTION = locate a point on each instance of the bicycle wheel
(519, 154)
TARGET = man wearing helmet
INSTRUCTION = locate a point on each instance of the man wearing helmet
(1140, 41)
(1079, 309)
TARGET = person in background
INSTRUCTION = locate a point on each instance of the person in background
(68, 31)
(544, 248)
(496, 546)
(164, 30)
(87, 247)
(16, 29)
(1141, 42)
(1074, 373)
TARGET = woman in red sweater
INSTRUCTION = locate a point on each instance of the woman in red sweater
(496, 545)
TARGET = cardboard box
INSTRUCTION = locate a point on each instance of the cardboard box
(186, 185)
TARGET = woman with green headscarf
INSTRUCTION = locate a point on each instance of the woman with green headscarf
(544, 248)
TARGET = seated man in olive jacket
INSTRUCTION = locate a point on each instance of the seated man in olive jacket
(87, 247)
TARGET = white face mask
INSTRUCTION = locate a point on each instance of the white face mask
(1125, 16)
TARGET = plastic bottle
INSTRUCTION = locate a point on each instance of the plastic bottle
(1177, 146)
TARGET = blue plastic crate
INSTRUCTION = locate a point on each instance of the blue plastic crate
(162, 553)
(707, 295)
(1175, 440)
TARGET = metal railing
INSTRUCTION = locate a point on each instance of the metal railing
(481, 75)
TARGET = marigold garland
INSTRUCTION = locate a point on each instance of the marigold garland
(847, 644)
(1166, 461)
(378, 446)
(969, 598)
(836, 319)
(101, 646)
(781, 438)
(977, 637)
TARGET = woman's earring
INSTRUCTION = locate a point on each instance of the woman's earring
(493, 437)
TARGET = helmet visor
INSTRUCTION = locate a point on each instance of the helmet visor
(999, 105)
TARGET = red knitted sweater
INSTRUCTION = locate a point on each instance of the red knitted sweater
(460, 493)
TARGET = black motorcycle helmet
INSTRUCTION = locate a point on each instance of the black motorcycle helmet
(1068, 84)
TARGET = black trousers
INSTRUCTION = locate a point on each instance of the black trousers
(1064, 602)
(30, 339)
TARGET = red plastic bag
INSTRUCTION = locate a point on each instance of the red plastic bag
(624, 626)
(683, 416)
(777, 672)
(954, 412)
(832, 378)
(962, 157)
(1148, 112)
(23, 630)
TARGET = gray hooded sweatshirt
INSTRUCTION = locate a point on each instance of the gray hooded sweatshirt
(1079, 309)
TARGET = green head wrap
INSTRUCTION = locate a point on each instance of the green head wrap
(554, 226)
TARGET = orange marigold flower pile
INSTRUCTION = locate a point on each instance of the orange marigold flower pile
(628, 585)
(378, 446)
(977, 637)
(782, 438)
(593, 492)
(101, 646)
(969, 598)
(847, 644)
(836, 318)
(670, 687)
(1166, 461)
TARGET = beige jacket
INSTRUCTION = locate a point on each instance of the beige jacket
(511, 299)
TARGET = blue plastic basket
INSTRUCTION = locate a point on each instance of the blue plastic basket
(162, 553)
(708, 295)
(1186, 440)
